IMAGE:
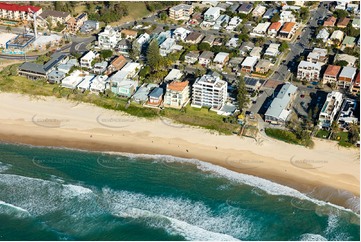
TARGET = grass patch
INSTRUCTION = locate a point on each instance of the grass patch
(343, 139)
(284, 135)
(137, 10)
(323, 134)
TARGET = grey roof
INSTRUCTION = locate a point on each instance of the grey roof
(56, 73)
(43, 69)
(207, 54)
(348, 72)
(33, 67)
(209, 38)
(249, 81)
(234, 6)
(279, 104)
(245, 7)
(157, 92)
(53, 13)
(269, 13)
(142, 93)
(193, 54)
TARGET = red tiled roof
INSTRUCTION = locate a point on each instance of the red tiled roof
(119, 62)
(343, 22)
(16, 7)
(287, 27)
(332, 70)
(330, 21)
(178, 86)
(276, 26)
(357, 80)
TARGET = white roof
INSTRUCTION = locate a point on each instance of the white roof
(127, 70)
(46, 39)
(307, 64)
(213, 11)
(262, 27)
(338, 34)
(220, 57)
(85, 84)
(99, 82)
(323, 34)
(5, 37)
(74, 79)
(249, 61)
(89, 56)
(181, 31)
(174, 74)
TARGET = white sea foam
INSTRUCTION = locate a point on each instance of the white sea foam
(74, 190)
(4, 167)
(312, 237)
(270, 187)
(4, 209)
(180, 212)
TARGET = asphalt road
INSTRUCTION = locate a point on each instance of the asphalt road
(79, 45)
(297, 48)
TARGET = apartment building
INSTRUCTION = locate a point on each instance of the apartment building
(288, 30)
(331, 74)
(347, 76)
(18, 12)
(318, 55)
(329, 109)
(308, 71)
(209, 91)
(177, 94)
(74, 24)
(87, 59)
(181, 12)
(109, 38)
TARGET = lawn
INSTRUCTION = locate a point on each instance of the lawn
(137, 10)
(342, 138)
(284, 135)
(323, 134)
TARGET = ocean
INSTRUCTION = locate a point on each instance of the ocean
(63, 194)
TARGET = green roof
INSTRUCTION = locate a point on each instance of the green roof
(348, 40)
(356, 21)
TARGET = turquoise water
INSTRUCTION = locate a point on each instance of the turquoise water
(59, 194)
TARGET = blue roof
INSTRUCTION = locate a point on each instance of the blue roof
(157, 92)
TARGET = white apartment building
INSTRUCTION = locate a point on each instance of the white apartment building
(329, 109)
(86, 60)
(261, 29)
(181, 12)
(108, 39)
(18, 12)
(177, 94)
(272, 50)
(287, 16)
(212, 14)
(209, 91)
(308, 71)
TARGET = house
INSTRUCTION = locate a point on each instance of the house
(329, 109)
(129, 71)
(356, 85)
(221, 21)
(124, 88)
(212, 14)
(116, 65)
(74, 79)
(348, 42)
(108, 39)
(235, 63)
(258, 11)
(67, 66)
(245, 48)
(252, 84)
(173, 75)
(269, 13)
(223, 6)
(348, 114)
(196, 19)
(272, 50)
(142, 40)
(263, 66)
(155, 97)
(330, 21)
(287, 16)
(245, 8)
(233, 23)
(353, 8)
(180, 33)
(87, 59)
(343, 22)
(194, 38)
(323, 34)
(308, 71)
(34, 71)
(181, 12)
(56, 76)
(162, 36)
(288, 30)
(89, 26)
(209, 91)
(274, 28)
(341, 4)
(99, 84)
(347, 76)
(141, 95)
(248, 64)
(129, 34)
(318, 55)
(166, 47)
(55, 17)
(221, 59)
(191, 57)
(232, 43)
(331, 74)
(256, 52)
(209, 39)
(356, 23)
(18, 12)
(281, 106)
(124, 46)
(206, 58)
(99, 68)
(351, 60)
(218, 42)
(336, 37)
(85, 83)
(261, 29)
(74, 24)
(177, 94)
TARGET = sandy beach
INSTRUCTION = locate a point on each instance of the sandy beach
(327, 170)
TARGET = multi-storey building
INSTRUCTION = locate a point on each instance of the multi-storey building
(73, 24)
(177, 94)
(18, 12)
(331, 74)
(181, 12)
(308, 71)
(108, 39)
(329, 110)
(209, 91)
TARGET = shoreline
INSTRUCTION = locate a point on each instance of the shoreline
(325, 177)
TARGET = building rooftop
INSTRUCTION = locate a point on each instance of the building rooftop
(181, 6)
(193, 36)
(206, 55)
(53, 13)
(276, 26)
(287, 27)
(343, 22)
(157, 92)
(348, 72)
(349, 40)
(250, 61)
(17, 7)
(221, 57)
(332, 70)
(177, 86)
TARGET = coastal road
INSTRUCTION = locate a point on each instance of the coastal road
(79, 45)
